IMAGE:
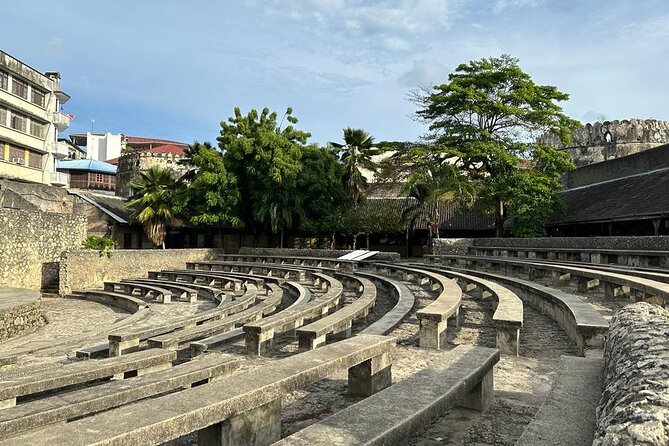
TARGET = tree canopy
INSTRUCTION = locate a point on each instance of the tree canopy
(485, 120)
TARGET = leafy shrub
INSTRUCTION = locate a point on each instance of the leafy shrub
(100, 243)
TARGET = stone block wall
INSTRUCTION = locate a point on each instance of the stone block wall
(85, 269)
(308, 252)
(634, 408)
(31, 240)
(22, 318)
(645, 243)
(451, 246)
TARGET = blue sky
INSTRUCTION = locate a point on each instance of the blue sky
(175, 69)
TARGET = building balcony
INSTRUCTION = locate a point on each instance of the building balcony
(60, 179)
(61, 121)
(59, 150)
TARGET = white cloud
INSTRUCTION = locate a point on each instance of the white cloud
(425, 73)
(54, 45)
(502, 5)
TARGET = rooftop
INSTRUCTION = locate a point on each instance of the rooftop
(87, 165)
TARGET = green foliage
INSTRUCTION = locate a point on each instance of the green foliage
(486, 119)
(100, 243)
(265, 159)
(152, 202)
(356, 154)
(207, 193)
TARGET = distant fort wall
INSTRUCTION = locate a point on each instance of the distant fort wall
(603, 141)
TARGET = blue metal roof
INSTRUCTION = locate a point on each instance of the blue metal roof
(88, 165)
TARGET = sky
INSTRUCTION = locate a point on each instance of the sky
(175, 69)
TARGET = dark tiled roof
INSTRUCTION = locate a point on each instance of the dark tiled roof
(451, 215)
(113, 206)
(636, 196)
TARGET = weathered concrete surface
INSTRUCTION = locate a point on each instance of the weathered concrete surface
(405, 302)
(111, 394)
(16, 383)
(390, 416)
(20, 312)
(634, 408)
(567, 417)
(157, 420)
(451, 246)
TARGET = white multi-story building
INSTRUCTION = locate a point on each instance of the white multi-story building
(30, 119)
(100, 146)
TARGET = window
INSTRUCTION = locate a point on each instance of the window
(35, 160)
(16, 154)
(20, 88)
(18, 122)
(4, 80)
(38, 97)
(3, 116)
(38, 129)
(99, 178)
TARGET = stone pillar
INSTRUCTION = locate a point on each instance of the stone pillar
(370, 376)
(260, 426)
(508, 339)
(431, 333)
(258, 342)
(585, 284)
(118, 346)
(612, 291)
(480, 396)
(559, 278)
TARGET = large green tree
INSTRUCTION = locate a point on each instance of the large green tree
(486, 120)
(207, 193)
(266, 160)
(152, 202)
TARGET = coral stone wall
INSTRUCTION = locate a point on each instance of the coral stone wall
(634, 409)
(30, 243)
(602, 141)
(451, 246)
(85, 269)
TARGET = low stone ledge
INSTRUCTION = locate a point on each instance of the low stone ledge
(20, 312)
(634, 409)
(307, 252)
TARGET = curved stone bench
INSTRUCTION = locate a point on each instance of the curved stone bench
(434, 317)
(115, 393)
(615, 284)
(191, 277)
(211, 327)
(324, 262)
(242, 408)
(339, 323)
(203, 291)
(181, 291)
(123, 301)
(19, 384)
(261, 269)
(508, 315)
(159, 294)
(464, 377)
(405, 300)
(128, 340)
(259, 336)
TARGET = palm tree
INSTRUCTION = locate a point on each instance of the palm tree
(279, 210)
(428, 187)
(356, 154)
(152, 201)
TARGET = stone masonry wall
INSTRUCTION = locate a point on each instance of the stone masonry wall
(85, 269)
(451, 246)
(634, 408)
(648, 243)
(308, 252)
(30, 243)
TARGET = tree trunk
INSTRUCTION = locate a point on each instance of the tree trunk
(281, 242)
(499, 219)
(367, 235)
(355, 240)
(163, 244)
(333, 240)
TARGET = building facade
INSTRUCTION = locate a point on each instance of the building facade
(30, 119)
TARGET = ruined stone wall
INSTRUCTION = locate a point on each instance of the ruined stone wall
(35, 197)
(634, 408)
(308, 252)
(451, 246)
(602, 141)
(645, 243)
(84, 269)
(32, 241)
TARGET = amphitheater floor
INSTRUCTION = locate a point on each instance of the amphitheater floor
(521, 383)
